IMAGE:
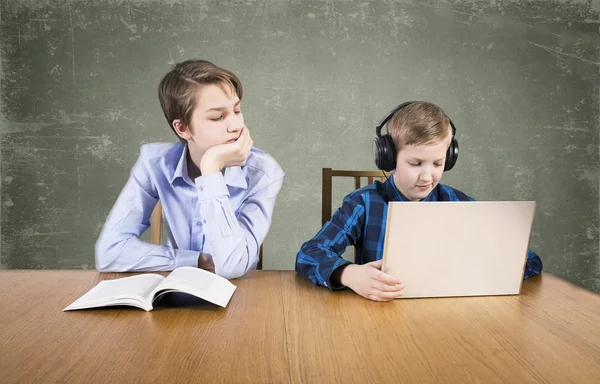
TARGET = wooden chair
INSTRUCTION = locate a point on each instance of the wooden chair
(329, 174)
(156, 225)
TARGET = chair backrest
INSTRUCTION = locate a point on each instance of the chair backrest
(327, 191)
(329, 174)
(156, 226)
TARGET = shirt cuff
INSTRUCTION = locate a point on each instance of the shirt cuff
(187, 258)
(332, 265)
(211, 186)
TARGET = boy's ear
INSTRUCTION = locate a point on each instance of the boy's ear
(181, 129)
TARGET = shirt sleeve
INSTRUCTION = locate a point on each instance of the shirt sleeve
(119, 248)
(319, 257)
(533, 266)
(235, 238)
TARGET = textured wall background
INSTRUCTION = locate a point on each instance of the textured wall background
(519, 79)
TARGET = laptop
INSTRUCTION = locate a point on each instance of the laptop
(445, 249)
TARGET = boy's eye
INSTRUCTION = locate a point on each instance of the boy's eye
(437, 165)
(217, 118)
(237, 112)
(415, 164)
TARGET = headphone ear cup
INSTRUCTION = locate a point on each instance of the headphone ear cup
(390, 154)
(451, 155)
(378, 152)
(384, 153)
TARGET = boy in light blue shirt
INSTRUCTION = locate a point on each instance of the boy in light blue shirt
(217, 191)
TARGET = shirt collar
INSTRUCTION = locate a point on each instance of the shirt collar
(181, 169)
(234, 176)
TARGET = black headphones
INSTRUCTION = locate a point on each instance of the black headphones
(384, 150)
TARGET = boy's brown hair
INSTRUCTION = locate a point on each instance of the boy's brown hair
(178, 89)
(419, 123)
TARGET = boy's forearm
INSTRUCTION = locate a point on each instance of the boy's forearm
(235, 255)
(209, 165)
(314, 263)
(319, 259)
(235, 240)
(133, 255)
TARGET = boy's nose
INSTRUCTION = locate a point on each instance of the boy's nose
(235, 124)
(426, 176)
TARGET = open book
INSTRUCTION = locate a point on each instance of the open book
(143, 290)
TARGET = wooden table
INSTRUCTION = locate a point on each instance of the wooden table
(280, 328)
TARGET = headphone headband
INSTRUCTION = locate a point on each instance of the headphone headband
(390, 114)
(387, 117)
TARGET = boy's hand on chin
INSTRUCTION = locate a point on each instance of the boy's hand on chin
(227, 155)
(368, 281)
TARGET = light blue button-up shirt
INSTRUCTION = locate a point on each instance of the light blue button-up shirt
(226, 216)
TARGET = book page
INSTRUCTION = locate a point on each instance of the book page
(198, 282)
(134, 290)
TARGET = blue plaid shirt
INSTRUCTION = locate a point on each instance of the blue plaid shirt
(360, 222)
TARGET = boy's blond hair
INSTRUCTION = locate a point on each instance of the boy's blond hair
(178, 89)
(419, 123)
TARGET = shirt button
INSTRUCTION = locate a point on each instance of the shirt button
(204, 221)
(202, 188)
(199, 224)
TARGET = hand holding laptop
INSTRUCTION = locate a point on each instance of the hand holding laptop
(368, 281)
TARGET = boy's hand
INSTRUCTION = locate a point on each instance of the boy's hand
(368, 281)
(205, 261)
(227, 155)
